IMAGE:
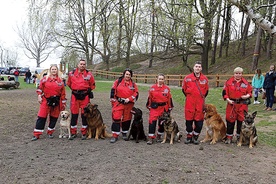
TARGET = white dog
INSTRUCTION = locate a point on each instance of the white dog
(65, 121)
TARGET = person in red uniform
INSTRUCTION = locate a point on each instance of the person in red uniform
(123, 95)
(51, 96)
(195, 88)
(235, 91)
(81, 82)
(159, 100)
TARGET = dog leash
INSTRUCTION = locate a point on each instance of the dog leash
(203, 106)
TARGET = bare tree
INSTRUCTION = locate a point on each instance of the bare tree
(255, 16)
(207, 11)
(36, 34)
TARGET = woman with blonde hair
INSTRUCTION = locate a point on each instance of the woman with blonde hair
(51, 96)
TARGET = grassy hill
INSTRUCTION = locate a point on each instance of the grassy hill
(223, 65)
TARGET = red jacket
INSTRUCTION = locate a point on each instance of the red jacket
(81, 81)
(195, 89)
(124, 90)
(234, 90)
(160, 95)
(52, 87)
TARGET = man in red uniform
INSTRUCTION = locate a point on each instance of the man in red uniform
(124, 93)
(235, 91)
(81, 82)
(195, 88)
(51, 96)
(159, 100)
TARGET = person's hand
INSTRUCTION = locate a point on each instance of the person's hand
(63, 106)
(230, 101)
(39, 99)
(245, 96)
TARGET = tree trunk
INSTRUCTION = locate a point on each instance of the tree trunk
(227, 29)
(244, 36)
(152, 33)
(120, 22)
(222, 31)
(257, 50)
(213, 60)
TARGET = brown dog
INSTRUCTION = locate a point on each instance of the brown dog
(248, 133)
(215, 126)
(170, 128)
(96, 127)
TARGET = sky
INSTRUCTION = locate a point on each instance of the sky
(12, 14)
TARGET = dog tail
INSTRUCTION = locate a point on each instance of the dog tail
(106, 134)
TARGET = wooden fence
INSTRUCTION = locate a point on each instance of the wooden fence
(217, 80)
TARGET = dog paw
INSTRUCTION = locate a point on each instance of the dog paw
(171, 143)
(60, 136)
(239, 144)
(213, 142)
(250, 146)
(163, 142)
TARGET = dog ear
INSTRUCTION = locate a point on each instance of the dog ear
(95, 106)
(254, 114)
(245, 113)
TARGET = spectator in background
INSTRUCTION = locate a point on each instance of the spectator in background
(63, 77)
(257, 84)
(16, 74)
(28, 77)
(269, 86)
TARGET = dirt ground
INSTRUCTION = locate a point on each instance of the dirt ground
(89, 161)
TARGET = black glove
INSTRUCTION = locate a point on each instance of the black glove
(90, 93)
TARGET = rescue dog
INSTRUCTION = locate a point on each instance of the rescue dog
(95, 126)
(170, 128)
(65, 121)
(215, 126)
(248, 133)
(137, 129)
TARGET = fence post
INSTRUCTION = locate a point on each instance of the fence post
(168, 80)
(217, 82)
(180, 81)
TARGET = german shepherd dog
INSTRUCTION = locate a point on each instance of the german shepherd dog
(96, 127)
(248, 133)
(137, 129)
(170, 128)
(215, 126)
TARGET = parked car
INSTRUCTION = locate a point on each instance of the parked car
(11, 70)
(23, 71)
(2, 70)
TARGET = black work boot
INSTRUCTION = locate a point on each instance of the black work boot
(124, 136)
(228, 140)
(73, 136)
(188, 140)
(158, 138)
(150, 141)
(195, 139)
(113, 139)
